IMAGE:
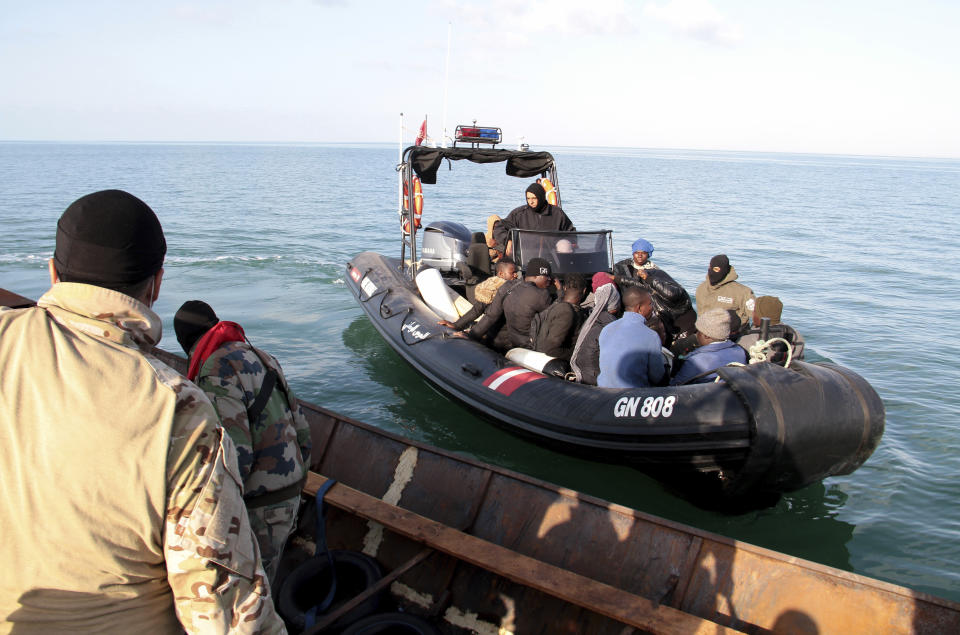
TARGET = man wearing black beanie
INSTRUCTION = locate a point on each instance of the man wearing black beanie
(516, 308)
(720, 290)
(124, 455)
(113, 240)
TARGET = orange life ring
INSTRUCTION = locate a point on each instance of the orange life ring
(417, 204)
(550, 191)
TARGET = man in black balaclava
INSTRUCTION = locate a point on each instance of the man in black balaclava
(536, 214)
(720, 290)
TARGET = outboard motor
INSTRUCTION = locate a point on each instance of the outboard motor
(445, 245)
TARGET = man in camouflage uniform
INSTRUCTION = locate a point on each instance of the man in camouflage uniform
(260, 413)
(122, 508)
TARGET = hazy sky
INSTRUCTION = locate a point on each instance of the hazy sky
(831, 76)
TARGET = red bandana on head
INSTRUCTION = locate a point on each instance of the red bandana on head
(220, 334)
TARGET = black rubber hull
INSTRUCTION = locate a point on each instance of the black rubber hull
(766, 429)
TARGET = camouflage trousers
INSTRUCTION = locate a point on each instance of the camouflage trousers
(272, 525)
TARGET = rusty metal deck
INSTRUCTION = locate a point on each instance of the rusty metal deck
(699, 575)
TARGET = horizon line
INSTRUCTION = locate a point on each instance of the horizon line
(394, 144)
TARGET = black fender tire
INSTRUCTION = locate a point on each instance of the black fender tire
(308, 584)
(392, 623)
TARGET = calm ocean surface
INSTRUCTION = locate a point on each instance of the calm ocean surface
(864, 252)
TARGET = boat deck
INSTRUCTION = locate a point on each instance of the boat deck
(534, 557)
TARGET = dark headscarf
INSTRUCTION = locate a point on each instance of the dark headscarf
(110, 239)
(600, 278)
(716, 277)
(192, 321)
(537, 190)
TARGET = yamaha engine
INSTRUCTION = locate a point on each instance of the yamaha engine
(445, 245)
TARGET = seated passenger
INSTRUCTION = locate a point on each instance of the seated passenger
(656, 325)
(585, 359)
(771, 307)
(484, 293)
(720, 289)
(671, 302)
(555, 330)
(491, 242)
(517, 307)
(715, 350)
(477, 265)
(577, 281)
(599, 279)
(536, 214)
(630, 354)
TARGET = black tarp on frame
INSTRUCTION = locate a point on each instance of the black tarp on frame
(426, 161)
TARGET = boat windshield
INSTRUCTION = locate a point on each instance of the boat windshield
(567, 252)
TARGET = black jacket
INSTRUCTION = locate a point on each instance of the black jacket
(516, 306)
(559, 327)
(588, 357)
(479, 307)
(524, 217)
(671, 302)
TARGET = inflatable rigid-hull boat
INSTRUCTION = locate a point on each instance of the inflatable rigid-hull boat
(456, 527)
(764, 428)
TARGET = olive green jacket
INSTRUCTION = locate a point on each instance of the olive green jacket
(729, 294)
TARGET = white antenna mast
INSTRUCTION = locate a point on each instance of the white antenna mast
(446, 77)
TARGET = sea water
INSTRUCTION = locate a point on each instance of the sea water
(863, 252)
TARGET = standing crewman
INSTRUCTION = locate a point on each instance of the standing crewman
(122, 509)
(537, 214)
(262, 416)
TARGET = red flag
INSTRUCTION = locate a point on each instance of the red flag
(423, 132)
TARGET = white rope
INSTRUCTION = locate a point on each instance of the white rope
(758, 352)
